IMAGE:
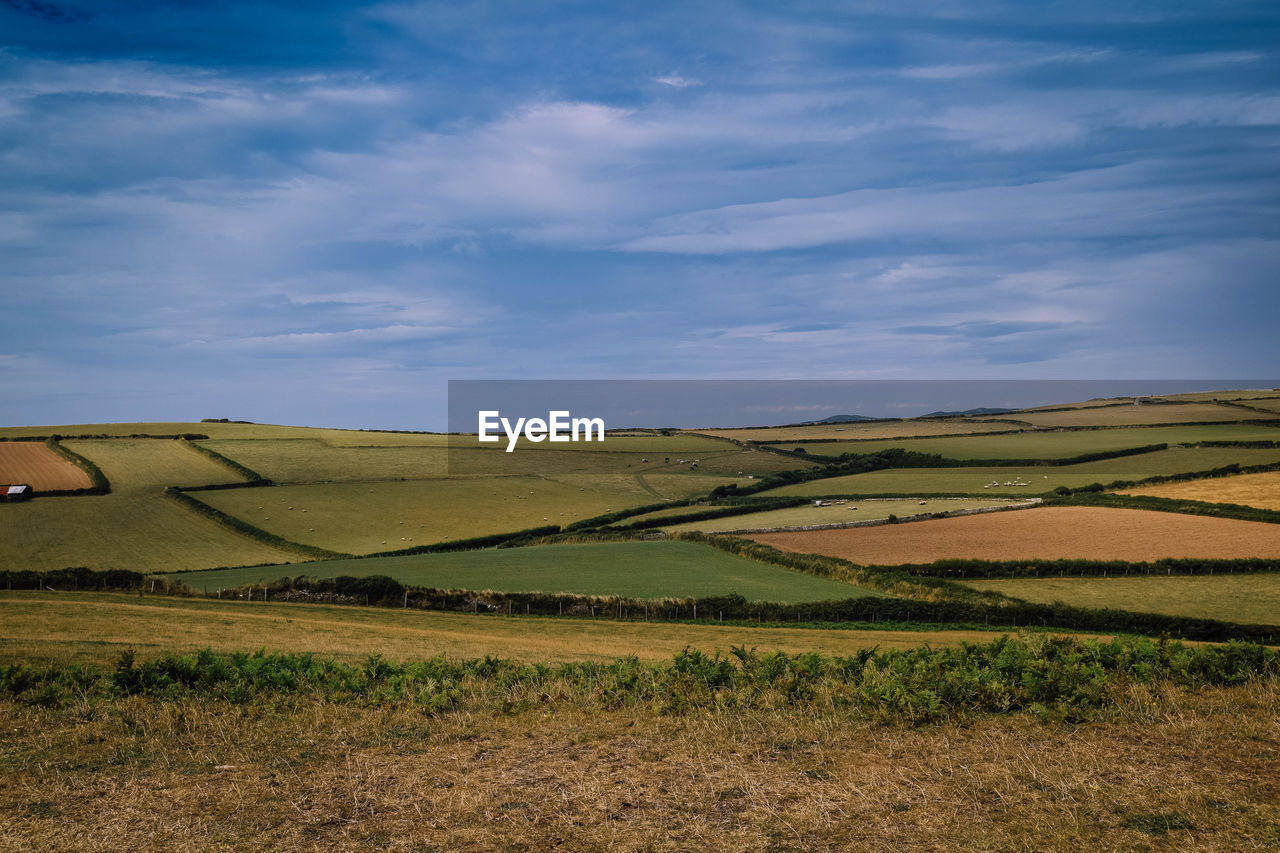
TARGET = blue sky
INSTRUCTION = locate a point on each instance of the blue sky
(311, 212)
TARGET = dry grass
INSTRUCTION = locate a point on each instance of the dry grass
(1170, 771)
(1260, 490)
(39, 467)
(1046, 533)
(95, 627)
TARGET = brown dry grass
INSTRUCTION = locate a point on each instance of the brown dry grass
(1089, 533)
(39, 467)
(1260, 490)
(1169, 771)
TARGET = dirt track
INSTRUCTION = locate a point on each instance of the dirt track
(1045, 533)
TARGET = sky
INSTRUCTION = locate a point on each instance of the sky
(319, 212)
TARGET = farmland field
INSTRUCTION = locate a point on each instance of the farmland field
(1260, 490)
(1271, 404)
(337, 437)
(799, 516)
(135, 526)
(39, 467)
(96, 627)
(360, 518)
(1045, 533)
(1043, 478)
(873, 429)
(1248, 598)
(1148, 413)
(1055, 444)
(630, 569)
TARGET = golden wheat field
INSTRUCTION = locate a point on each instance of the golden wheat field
(1260, 490)
(1045, 533)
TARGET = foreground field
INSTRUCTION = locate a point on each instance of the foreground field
(1260, 490)
(1169, 769)
(96, 627)
(39, 467)
(1045, 533)
(630, 569)
(135, 526)
(960, 481)
(1251, 598)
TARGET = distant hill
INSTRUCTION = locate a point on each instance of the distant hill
(845, 419)
(969, 412)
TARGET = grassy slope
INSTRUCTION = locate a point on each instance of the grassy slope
(874, 429)
(630, 569)
(1056, 445)
(363, 518)
(1233, 598)
(971, 480)
(134, 527)
(96, 627)
(1142, 414)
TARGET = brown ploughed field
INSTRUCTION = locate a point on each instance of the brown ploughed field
(39, 467)
(1089, 533)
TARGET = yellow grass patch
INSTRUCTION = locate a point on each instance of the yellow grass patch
(1260, 490)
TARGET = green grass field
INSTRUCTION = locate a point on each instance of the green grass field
(1054, 444)
(961, 481)
(361, 518)
(654, 569)
(135, 526)
(799, 516)
(1252, 598)
(859, 430)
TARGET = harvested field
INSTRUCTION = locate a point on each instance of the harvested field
(39, 467)
(842, 513)
(1260, 490)
(1046, 533)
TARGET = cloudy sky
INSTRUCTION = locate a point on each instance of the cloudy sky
(318, 212)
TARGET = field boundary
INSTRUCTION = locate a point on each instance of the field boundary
(100, 484)
(251, 477)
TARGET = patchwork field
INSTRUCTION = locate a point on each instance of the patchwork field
(653, 569)
(361, 518)
(1260, 490)
(1055, 444)
(858, 430)
(135, 526)
(800, 516)
(1044, 533)
(39, 467)
(1252, 598)
(1146, 413)
(1042, 478)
